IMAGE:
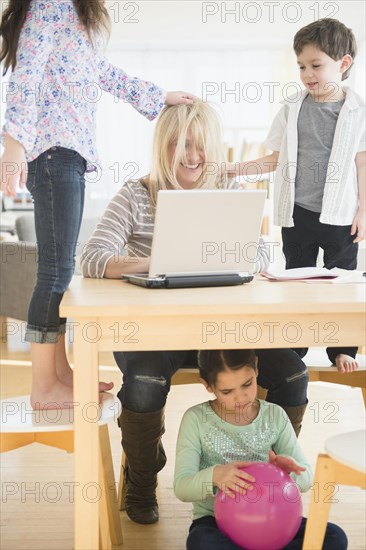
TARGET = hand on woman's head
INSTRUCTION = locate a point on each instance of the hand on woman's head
(177, 98)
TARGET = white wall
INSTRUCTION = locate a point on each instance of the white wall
(252, 21)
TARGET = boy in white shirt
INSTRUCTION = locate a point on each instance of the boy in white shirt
(318, 144)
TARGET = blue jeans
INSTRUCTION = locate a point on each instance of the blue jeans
(205, 535)
(147, 376)
(57, 184)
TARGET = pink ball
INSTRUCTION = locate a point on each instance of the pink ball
(265, 518)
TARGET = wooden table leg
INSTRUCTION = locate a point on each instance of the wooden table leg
(109, 487)
(86, 416)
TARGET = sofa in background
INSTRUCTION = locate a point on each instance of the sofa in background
(19, 267)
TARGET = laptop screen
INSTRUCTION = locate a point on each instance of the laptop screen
(205, 231)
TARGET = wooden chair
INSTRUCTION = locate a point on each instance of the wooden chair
(21, 426)
(344, 464)
(320, 370)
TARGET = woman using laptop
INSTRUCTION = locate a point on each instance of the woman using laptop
(187, 154)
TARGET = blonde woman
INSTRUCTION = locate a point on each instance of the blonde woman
(187, 154)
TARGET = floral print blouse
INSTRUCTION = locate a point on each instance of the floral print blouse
(54, 90)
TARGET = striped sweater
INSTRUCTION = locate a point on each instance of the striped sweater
(127, 227)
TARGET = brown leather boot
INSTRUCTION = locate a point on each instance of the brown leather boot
(141, 441)
(296, 414)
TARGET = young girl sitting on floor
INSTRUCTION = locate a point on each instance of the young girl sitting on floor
(218, 437)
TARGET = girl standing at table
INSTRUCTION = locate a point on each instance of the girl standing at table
(187, 144)
(55, 52)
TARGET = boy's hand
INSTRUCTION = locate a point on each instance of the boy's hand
(345, 363)
(232, 169)
(358, 226)
(13, 167)
(230, 479)
(177, 98)
(285, 463)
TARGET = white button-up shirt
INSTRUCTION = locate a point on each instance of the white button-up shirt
(340, 200)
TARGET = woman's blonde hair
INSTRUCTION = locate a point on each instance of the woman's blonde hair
(172, 127)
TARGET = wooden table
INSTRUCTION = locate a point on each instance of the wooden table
(114, 315)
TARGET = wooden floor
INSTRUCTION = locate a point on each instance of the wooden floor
(36, 481)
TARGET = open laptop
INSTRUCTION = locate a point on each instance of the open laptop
(204, 238)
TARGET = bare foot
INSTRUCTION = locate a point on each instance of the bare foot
(57, 396)
(65, 375)
(105, 386)
(64, 372)
(60, 396)
(345, 363)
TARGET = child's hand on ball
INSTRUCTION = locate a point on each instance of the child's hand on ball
(285, 463)
(230, 479)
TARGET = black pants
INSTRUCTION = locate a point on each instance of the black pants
(301, 245)
(147, 376)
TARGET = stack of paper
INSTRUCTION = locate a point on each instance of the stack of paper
(316, 274)
(299, 273)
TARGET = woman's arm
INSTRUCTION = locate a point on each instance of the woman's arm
(104, 254)
(122, 265)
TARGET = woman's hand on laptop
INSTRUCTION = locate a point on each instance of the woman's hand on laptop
(126, 265)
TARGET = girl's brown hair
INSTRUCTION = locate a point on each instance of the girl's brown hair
(212, 362)
(91, 13)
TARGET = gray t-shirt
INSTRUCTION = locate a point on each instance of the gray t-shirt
(316, 127)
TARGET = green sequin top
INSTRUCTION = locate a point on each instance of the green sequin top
(205, 440)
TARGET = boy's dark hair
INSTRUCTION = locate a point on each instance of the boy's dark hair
(331, 37)
(211, 362)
